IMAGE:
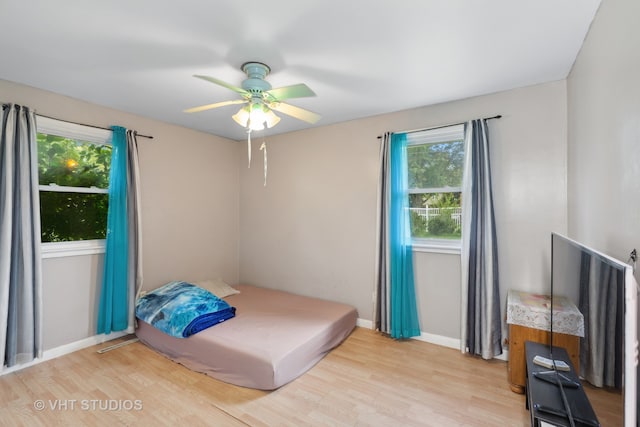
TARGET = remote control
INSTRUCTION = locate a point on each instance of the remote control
(548, 363)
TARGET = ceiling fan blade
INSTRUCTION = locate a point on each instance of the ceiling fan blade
(224, 84)
(287, 92)
(216, 105)
(297, 112)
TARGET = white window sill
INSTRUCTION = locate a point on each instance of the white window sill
(437, 246)
(77, 248)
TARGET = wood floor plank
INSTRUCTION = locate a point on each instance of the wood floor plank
(370, 380)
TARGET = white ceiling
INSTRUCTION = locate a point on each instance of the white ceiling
(361, 57)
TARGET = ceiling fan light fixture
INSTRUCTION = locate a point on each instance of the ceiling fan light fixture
(256, 116)
(271, 118)
(242, 116)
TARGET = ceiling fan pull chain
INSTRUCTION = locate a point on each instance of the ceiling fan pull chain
(263, 148)
(249, 147)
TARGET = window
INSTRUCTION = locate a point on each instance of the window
(435, 162)
(73, 168)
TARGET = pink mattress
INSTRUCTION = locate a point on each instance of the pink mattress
(275, 337)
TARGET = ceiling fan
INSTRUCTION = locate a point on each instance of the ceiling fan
(260, 99)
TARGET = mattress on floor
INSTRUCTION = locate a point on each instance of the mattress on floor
(275, 337)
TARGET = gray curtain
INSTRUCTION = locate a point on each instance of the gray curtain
(134, 222)
(481, 326)
(381, 318)
(20, 262)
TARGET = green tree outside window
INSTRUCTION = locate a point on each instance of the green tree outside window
(435, 179)
(73, 177)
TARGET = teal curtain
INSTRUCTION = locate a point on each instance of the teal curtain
(113, 314)
(403, 312)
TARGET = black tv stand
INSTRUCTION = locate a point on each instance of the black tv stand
(563, 413)
(544, 398)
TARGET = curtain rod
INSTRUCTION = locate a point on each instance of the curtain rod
(91, 126)
(440, 127)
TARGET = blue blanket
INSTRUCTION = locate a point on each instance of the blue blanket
(181, 309)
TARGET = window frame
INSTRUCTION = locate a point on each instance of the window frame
(440, 135)
(83, 133)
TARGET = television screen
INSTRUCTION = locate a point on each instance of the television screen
(604, 291)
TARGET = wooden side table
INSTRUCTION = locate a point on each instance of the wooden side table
(528, 317)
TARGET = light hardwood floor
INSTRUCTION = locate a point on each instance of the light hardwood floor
(370, 380)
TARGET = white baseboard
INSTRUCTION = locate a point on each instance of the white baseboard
(68, 348)
(430, 338)
(433, 339)
(504, 356)
(364, 323)
(439, 340)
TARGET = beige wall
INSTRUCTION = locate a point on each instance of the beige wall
(603, 97)
(70, 298)
(604, 132)
(312, 229)
(189, 212)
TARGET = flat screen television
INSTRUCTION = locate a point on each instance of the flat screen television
(605, 291)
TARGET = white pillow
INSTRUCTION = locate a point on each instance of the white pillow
(217, 287)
